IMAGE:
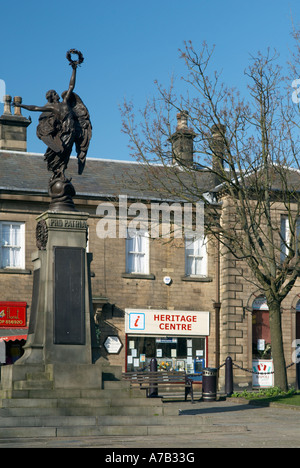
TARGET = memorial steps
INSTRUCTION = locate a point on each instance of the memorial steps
(34, 408)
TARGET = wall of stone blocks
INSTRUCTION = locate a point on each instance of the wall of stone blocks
(166, 259)
(108, 280)
(238, 291)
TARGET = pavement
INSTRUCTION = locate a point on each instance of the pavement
(265, 427)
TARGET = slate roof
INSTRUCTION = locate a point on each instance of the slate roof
(27, 172)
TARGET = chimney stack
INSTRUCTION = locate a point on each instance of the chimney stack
(183, 141)
(217, 146)
(13, 128)
(7, 104)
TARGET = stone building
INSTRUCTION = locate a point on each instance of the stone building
(178, 300)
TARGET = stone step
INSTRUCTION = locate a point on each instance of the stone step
(28, 403)
(77, 402)
(27, 432)
(72, 393)
(47, 421)
(116, 384)
(135, 430)
(38, 376)
(33, 384)
(162, 430)
(61, 421)
(131, 411)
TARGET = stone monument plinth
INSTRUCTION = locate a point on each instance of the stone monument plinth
(61, 335)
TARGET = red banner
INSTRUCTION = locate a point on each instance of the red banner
(13, 314)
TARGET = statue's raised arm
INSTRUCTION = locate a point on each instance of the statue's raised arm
(74, 64)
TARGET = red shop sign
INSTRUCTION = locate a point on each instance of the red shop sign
(13, 314)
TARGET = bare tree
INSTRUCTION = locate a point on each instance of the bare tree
(249, 149)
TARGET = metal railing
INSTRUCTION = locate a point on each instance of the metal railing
(229, 365)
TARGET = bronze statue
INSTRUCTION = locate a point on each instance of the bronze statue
(61, 125)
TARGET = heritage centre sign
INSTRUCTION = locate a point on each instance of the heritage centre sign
(166, 322)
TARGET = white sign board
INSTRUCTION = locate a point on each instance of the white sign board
(262, 377)
(166, 322)
(112, 344)
(261, 345)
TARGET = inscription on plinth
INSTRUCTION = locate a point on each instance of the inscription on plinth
(67, 223)
(69, 296)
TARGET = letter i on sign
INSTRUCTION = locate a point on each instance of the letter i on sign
(136, 321)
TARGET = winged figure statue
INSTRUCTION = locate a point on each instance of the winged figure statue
(62, 124)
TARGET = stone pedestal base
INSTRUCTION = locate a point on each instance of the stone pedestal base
(61, 337)
(28, 379)
(61, 328)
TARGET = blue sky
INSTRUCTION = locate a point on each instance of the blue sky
(127, 45)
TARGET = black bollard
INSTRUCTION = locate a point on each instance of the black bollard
(153, 391)
(228, 376)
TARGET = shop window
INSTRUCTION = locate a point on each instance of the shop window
(285, 236)
(171, 353)
(12, 243)
(137, 253)
(261, 336)
(195, 257)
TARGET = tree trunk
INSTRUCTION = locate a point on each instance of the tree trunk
(280, 374)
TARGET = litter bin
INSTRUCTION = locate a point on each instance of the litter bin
(209, 384)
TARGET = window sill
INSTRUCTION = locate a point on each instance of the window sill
(197, 279)
(14, 271)
(138, 276)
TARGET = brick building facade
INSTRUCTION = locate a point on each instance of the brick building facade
(175, 281)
